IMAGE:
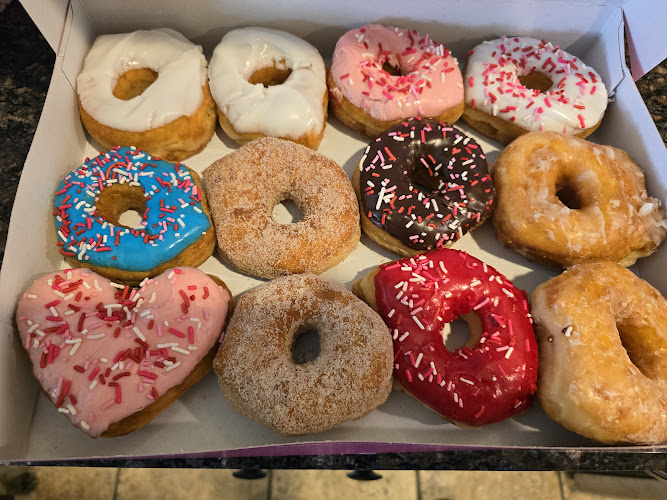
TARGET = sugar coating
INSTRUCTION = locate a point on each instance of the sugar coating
(244, 187)
(350, 377)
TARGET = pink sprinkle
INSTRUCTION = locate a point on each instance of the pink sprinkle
(387, 95)
(159, 330)
(408, 375)
(581, 121)
(107, 404)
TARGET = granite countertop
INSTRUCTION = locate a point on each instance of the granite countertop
(26, 63)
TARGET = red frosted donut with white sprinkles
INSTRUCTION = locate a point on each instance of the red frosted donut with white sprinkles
(491, 377)
(520, 84)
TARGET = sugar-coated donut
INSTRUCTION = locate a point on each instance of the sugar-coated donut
(514, 85)
(380, 76)
(175, 230)
(110, 357)
(268, 82)
(422, 185)
(147, 89)
(491, 377)
(244, 187)
(602, 333)
(349, 378)
(562, 201)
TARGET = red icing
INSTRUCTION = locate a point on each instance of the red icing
(438, 287)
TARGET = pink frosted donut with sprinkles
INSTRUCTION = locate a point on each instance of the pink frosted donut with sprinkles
(519, 84)
(110, 357)
(494, 375)
(381, 75)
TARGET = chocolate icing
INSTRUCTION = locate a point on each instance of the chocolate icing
(433, 179)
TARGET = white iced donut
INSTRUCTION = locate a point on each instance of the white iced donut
(520, 84)
(147, 89)
(269, 83)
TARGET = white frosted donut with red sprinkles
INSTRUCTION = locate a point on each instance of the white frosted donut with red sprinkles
(498, 83)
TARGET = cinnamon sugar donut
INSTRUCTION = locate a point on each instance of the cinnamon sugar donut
(244, 187)
(563, 200)
(602, 336)
(349, 378)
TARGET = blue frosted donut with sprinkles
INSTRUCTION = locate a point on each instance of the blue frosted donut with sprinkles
(175, 228)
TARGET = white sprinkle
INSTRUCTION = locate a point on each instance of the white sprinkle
(54, 311)
(403, 337)
(97, 336)
(97, 286)
(63, 410)
(152, 299)
(508, 293)
(85, 425)
(419, 324)
(33, 328)
(509, 352)
(71, 409)
(73, 350)
(182, 351)
(117, 285)
(86, 285)
(175, 365)
(568, 331)
(73, 341)
(418, 360)
(92, 384)
(170, 275)
(168, 344)
(470, 382)
(391, 313)
(139, 334)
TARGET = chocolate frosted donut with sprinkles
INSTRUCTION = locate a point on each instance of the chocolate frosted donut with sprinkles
(422, 185)
(490, 378)
(519, 84)
(175, 227)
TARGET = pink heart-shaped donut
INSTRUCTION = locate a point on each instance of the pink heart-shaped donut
(103, 352)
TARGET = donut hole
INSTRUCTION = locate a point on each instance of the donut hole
(306, 346)
(270, 76)
(388, 67)
(287, 212)
(133, 83)
(637, 343)
(424, 178)
(122, 205)
(536, 81)
(464, 331)
(569, 194)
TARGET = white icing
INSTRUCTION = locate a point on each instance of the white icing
(499, 63)
(289, 110)
(177, 92)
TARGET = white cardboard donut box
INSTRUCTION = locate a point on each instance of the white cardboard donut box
(201, 421)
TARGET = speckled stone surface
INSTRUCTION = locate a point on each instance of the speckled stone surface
(26, 62)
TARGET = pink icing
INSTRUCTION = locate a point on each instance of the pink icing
(429, 83)
(163, 311)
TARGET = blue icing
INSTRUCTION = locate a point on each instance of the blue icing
(177, 189)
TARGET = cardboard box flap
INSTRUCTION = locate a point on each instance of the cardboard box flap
(645, 23)
(49, 17)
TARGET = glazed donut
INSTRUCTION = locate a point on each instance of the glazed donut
(602, 334)
(422, 185)
(175, 230)
(269, 83)
(520, 84)
(111, 358)
(348, 379)
(123, 102)
(489, 379)
(244, 187)
(563, 201)
(381, 76)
